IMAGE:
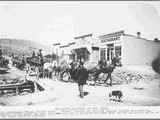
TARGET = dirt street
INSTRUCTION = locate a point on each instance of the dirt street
(58, 93)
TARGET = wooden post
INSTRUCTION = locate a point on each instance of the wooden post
(17, 91)
(35, 86)
(37, 78)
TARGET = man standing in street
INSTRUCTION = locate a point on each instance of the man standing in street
(82, 76)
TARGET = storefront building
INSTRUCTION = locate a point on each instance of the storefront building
(133, 50)
(110, 45)
(83, 48)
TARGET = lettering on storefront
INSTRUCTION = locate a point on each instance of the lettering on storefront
(111, 37)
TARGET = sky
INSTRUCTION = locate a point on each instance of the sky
(49, 22)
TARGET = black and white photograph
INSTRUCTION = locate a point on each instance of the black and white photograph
(79, 54)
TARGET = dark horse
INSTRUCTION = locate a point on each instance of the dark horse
(19, 62)
(95, 72)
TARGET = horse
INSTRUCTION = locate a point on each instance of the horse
(69, 70)
(96, 71)
(4, 62)
(64, 71)
(19, 63)
(56, 68)
(48, 70)
(37, 64)
(4, 65)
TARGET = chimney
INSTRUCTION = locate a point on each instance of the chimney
(138, 34)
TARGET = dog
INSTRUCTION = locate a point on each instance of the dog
(117, 94)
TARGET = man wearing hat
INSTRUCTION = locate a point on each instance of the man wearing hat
(82, 76)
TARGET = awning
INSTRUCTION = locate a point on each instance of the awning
(79, 50)
(95, 48)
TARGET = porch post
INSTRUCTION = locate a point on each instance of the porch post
(99, 57)
(106, 51)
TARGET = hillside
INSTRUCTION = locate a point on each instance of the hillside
(18, 46)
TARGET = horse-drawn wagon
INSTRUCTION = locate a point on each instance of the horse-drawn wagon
(16, 86)
(18, 62)
(38, 65)
(94, 71)
(3, 64)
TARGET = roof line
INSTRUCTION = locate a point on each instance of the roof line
(139, 38)
(83, 36)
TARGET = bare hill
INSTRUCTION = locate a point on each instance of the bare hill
(19, 46)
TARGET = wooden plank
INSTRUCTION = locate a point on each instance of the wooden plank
(14, 87)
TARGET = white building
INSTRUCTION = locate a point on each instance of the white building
(82, 47)
(133, 50)
(65, 53)
(85, 48)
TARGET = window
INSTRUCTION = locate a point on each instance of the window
(102, 54)
(118, 50)
(82, 53)
(110, 48)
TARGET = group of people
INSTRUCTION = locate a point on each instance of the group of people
(79, 73)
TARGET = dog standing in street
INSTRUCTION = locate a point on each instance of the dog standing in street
(116, 95)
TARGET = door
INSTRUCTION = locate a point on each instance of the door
(102, 54)
(110, 52)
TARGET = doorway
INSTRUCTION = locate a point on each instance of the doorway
(110, 52)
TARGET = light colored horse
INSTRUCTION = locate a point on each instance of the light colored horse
(48, 69)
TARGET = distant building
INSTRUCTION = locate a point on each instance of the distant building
(85, 48)
(65, 53)
(81, 48)
(133, 50)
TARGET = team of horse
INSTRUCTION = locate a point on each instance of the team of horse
(68, 71)
(4, 62)
(3, 65)
(18, 62)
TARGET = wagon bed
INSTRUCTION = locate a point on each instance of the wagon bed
(19, 87)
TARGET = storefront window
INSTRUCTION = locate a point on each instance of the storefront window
(82, 53)
(118, 50)
(103, 54)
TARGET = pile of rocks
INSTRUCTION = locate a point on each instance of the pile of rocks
(126, 76)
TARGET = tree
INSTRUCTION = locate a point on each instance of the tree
(156, 65)
(156, 40)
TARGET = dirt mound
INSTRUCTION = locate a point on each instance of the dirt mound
(128, 76)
